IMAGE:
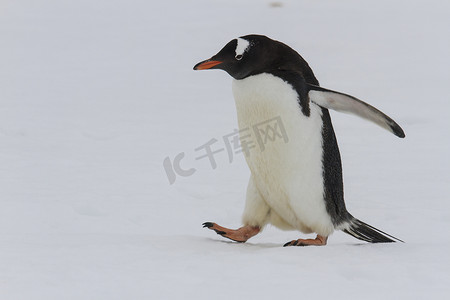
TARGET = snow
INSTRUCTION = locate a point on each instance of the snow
(96, 94)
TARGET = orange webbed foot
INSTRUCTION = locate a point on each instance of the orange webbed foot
(240, 235)
(318, 241)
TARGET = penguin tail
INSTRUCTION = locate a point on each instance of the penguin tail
(368, 233)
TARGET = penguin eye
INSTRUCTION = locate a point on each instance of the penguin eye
(238, 57)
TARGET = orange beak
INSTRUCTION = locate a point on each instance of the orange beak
(206, 64)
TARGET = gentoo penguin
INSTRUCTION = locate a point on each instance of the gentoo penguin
(296, 182)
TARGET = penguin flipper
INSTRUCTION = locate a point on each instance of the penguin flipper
(348, 104)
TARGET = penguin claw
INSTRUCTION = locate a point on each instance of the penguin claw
(220, 232)
(208, 224)
(318, 241)
(295, 243)
(240, 235)
(291, 243)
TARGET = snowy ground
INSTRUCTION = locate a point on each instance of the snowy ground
(94, 95)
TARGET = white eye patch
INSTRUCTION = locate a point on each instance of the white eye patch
(242, 45)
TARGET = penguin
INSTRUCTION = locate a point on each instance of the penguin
(295, 183)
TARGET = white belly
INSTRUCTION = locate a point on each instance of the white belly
(288, 169)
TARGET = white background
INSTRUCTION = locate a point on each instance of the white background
(95, 94)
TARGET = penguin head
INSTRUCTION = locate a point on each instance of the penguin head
(249, 55)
